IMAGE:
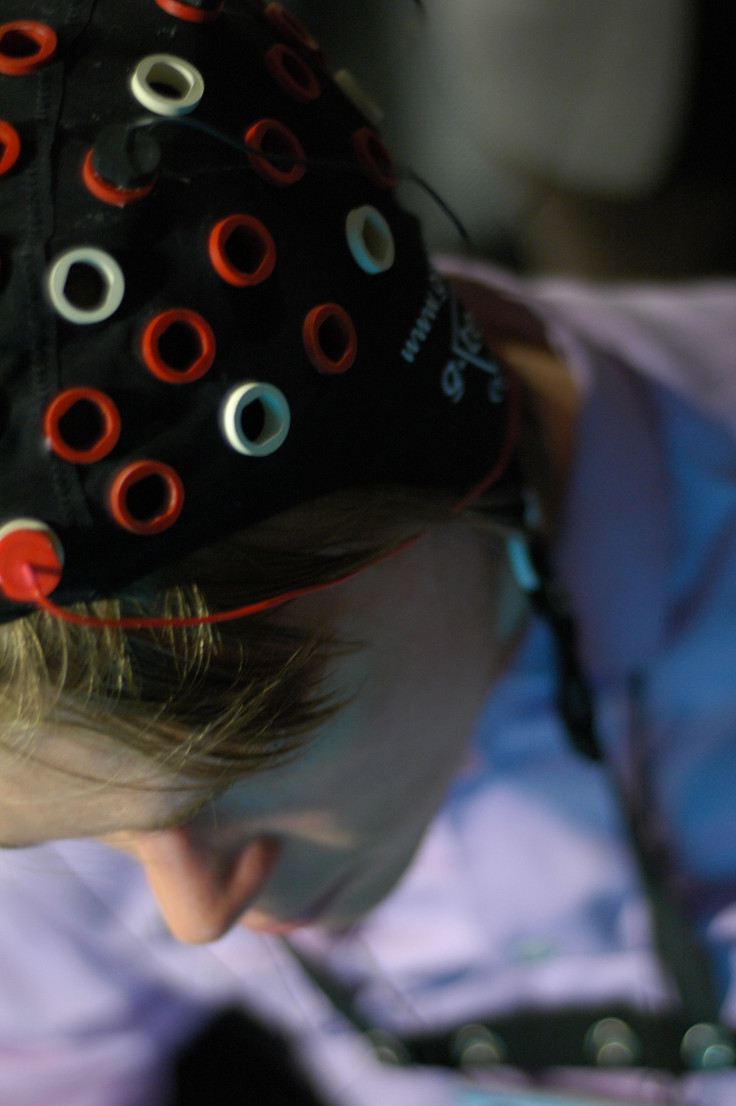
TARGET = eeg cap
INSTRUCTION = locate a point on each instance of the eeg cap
(212, 306)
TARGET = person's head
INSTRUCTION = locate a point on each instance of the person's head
(236, 377)
(290, 763)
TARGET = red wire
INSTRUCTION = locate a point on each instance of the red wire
(512, 438)
(134, 623)
(141, 623)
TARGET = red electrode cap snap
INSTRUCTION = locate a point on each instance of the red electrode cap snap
(31, 560)
(110, 193)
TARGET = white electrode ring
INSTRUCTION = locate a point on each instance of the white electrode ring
(276, 419)
(183, 83)
(370, 239)
(85, 285)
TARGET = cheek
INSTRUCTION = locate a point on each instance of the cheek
(410, 723)
(388, 759)
(423, 697)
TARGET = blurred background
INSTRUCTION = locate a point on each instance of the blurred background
(594, 138)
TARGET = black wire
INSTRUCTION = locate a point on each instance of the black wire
(336, 165)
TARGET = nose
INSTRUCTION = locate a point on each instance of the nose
(202, 888)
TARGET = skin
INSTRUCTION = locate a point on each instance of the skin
(325, 837)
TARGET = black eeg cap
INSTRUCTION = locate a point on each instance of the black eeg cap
(194, 337)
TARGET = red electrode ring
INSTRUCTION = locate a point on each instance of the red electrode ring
(189, 12)
(168, 497)
(202, 339)
(286, 23)
(282, 158)
(9, 147)
(241, 250)
(329, 338)
(375, 158)
(292, 74)
(25, 46)
(99, 430)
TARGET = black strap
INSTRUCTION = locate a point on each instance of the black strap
(679, 950)
(610, 1036)
(574, 699)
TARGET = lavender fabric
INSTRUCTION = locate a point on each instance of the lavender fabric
(524, 891)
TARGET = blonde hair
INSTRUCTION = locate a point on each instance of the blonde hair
(221, 703)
